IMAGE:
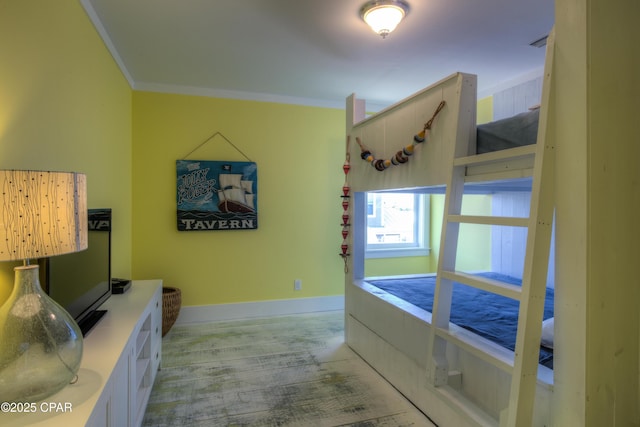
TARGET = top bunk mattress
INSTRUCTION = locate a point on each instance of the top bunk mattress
(515, 131)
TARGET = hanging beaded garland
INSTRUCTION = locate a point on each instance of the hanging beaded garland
(402, 156)
(344, 248)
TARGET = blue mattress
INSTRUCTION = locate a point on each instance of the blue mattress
(491, 316)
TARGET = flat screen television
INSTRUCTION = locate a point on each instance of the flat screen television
(81, 281)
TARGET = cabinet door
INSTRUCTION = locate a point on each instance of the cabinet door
(156, 331)
(112, 408)
(120, 409)
(101, 412)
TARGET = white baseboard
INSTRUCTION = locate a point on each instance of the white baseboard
(245, 310)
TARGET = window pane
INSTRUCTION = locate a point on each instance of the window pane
(392, 219)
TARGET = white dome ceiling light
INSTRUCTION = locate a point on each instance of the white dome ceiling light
(383, 16)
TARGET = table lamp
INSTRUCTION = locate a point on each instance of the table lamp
(42, 214)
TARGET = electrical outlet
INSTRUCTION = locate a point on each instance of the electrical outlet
(297, 285)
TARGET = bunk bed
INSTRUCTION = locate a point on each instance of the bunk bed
(488, 315)
(491, 316)
(392, 334)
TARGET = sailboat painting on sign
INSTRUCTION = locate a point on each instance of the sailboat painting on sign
(216, 195)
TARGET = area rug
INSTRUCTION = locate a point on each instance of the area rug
(282, 371)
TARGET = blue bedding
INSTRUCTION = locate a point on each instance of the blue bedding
(491, 316)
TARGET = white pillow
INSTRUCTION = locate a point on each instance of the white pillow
(547, 333)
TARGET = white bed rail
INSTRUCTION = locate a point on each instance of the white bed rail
(393, 128)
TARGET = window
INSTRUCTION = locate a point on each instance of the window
(397, 224)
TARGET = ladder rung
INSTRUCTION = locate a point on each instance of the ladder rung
(496, 156)
(490, 220)
(484, 349)
(483, 283)
(472, 175)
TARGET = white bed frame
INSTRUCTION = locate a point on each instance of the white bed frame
(397, 338)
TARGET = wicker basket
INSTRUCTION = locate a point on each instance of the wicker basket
(171, 302)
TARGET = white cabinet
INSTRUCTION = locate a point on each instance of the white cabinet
(145, 359)
(121, 357)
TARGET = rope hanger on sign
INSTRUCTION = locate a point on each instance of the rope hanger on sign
(210, 138)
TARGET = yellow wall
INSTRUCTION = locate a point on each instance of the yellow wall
(64, 105)
(299, 153)
(484, 112)
(402, 265)
(474, 244)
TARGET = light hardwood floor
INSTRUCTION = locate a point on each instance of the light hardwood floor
(279, 371)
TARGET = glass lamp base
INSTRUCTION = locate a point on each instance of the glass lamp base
(41, 343)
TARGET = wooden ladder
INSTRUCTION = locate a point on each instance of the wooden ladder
(523, 365)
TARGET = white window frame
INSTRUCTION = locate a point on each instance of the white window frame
(421, 226)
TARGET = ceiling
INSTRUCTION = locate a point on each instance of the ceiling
(318, 52)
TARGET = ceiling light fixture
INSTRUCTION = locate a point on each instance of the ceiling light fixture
(383, 16)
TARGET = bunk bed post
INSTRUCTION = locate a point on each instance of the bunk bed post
(354, 263)
(438, 369)
(355, 111)
(523, 380)
(464, 144)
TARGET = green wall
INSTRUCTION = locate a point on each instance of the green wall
(299, 154)
(65, 105)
